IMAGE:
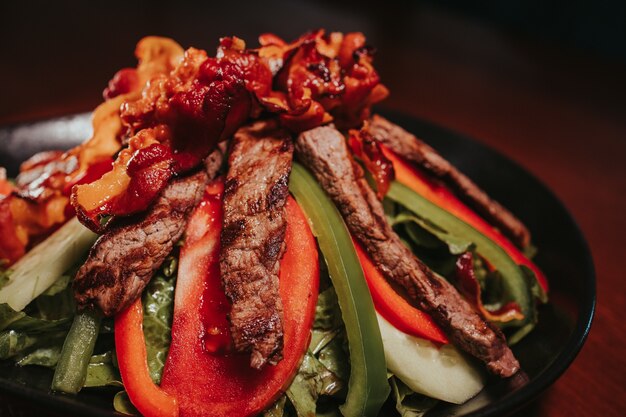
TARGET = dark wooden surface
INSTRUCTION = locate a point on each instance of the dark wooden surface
(559, 113)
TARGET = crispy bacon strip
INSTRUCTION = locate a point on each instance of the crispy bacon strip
(40, 200)
(203, 101)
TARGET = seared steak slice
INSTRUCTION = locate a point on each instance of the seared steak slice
(123, 260)
(408, 146)
(323, 150)
(255, 192)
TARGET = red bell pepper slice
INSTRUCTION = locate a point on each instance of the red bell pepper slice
(444, 198)
(395, 308)
(130, 346)
(200, 371)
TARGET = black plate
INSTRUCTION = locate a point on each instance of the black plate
(563, 255)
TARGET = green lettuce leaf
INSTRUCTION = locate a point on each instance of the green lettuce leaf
(433, 245)
(45, 356)
(334, 357)
(536, 289)
(102, 371)
(327, 313)
(158, 307)
(277, 409)
(52, 309)
(313, 379)
(538, 294)
(8, 316)
(14, 343)
(321, 338)
(122, 404)
(57, 302)
(20, 321)
(325, 369)
(59, 285)
(427, 234)
(409, 403)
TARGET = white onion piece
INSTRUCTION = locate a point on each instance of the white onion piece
(443, 372)
(36, 271)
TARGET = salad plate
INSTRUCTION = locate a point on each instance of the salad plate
(563, 255)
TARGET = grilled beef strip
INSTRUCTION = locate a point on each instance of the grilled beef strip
(123, 260)
(255, 192)
(323, 150)
(422, 155)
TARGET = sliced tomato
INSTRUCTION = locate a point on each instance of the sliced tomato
(201, 372)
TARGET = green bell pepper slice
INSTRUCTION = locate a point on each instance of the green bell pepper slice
(368, 387)
(513, 277)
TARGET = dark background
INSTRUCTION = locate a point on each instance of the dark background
(62, 50)
(542, 81)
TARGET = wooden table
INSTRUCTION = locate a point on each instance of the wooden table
(559, 113)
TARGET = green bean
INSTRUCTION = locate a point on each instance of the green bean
(71, 369)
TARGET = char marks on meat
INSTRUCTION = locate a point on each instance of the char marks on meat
(324, 151)
(408, 146)
(255, 192)
(123, 260)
